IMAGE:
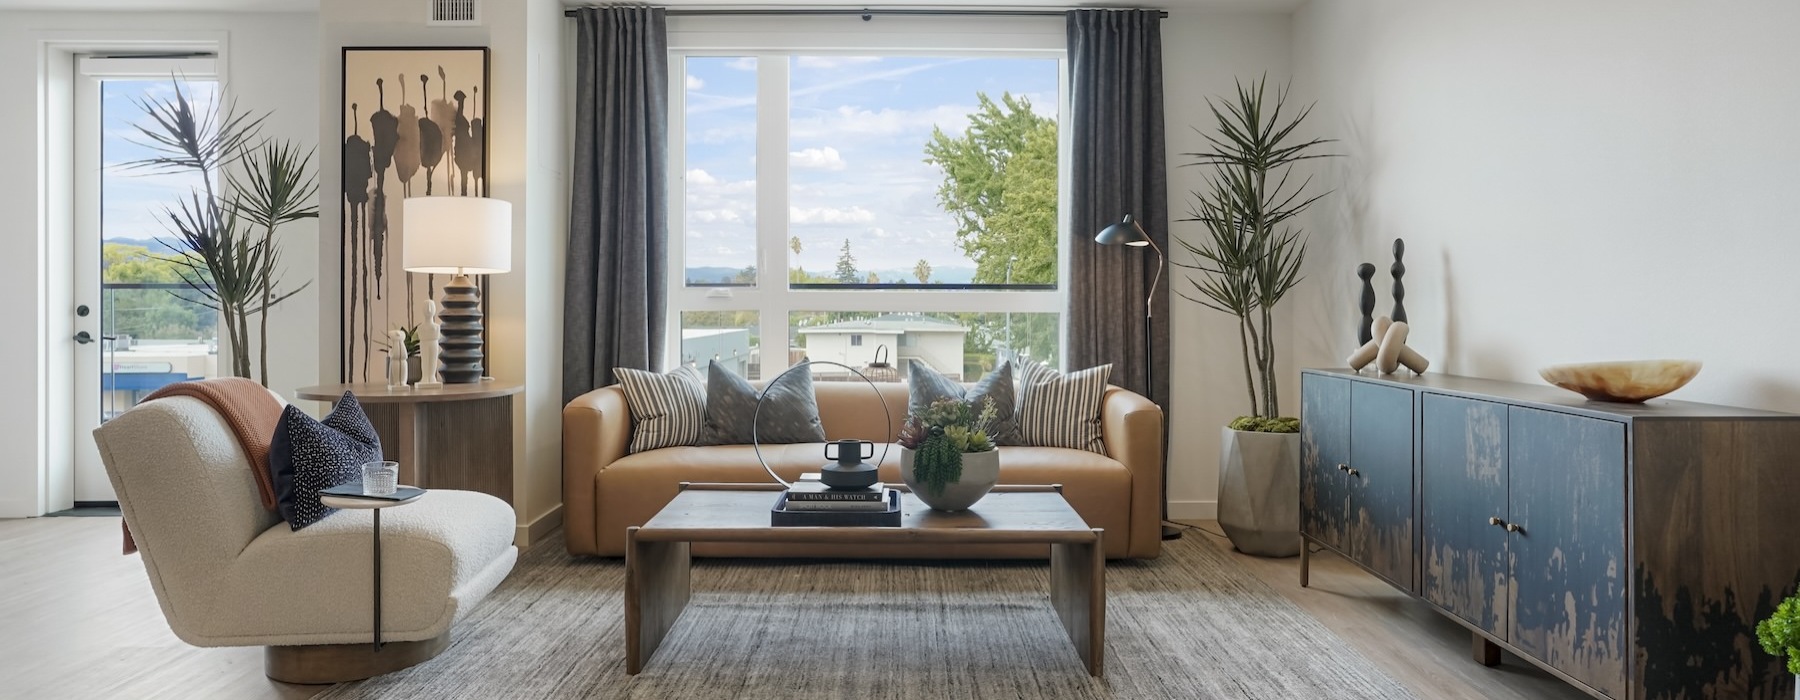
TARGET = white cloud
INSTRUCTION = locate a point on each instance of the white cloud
(826, 158)
(713, 216)
(701, 177)
(744, 63)
(834, 61)
(830, 215)
(695, 83)
(854, 121)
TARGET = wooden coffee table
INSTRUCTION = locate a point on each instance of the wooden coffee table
(657, 572)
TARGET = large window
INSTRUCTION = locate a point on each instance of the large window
(871, 210)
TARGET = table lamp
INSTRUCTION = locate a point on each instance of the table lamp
(458, 236)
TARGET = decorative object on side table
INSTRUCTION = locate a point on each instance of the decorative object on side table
(1247, 260)
(848, 471)
(1780, 636)
(396, 361)
(947, 454)
(1623, 382)
(428, 347)
(460, 236)
(1398, 271)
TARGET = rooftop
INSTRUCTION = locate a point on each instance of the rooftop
(889, 324)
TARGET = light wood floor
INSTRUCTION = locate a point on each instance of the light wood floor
(77, 620)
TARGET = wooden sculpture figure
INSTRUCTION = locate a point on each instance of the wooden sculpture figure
(1388, 350)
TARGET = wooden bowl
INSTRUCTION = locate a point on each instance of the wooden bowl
(1624, 382)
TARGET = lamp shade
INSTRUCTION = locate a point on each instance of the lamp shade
(1126, 232)
(451, 235)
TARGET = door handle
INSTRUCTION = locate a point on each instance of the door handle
(84, 338)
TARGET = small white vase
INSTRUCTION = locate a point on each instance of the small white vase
(980, 471)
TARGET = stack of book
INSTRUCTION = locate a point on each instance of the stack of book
(812, 496)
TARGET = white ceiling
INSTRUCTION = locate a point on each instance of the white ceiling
(1281, 6)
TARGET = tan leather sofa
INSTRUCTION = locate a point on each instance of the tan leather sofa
(606, 490)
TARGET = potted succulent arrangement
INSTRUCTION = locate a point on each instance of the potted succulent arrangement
(947, 454)
(1780, 636)
(1247, 257)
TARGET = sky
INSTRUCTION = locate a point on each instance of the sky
(857, 131)
(133, 198)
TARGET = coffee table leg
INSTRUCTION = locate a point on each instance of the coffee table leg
(656, 591)
(1078, 590)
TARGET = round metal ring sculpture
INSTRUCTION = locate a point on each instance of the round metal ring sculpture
(756, 444)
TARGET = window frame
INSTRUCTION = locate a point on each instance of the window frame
(771, 297)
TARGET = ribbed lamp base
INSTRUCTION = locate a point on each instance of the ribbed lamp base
(459, 314)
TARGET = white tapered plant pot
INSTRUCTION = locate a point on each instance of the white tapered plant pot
(980, 471)
(1259, 492)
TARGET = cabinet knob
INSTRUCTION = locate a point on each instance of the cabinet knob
(1515, 527)
(1353, 472)
(1497, 521)
(1343, 467)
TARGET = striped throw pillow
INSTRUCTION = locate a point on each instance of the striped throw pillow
(667, 410)
(1062, 410)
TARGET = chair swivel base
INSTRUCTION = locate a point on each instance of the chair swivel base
(314, 664)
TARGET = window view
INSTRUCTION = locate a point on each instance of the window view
(154, 329)
(720, 173)
(908, 170)
(933, 178)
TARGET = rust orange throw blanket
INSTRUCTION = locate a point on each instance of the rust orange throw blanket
(251, 412)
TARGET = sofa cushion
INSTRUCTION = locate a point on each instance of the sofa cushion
(1062, 410)
(307, 456)
(789, 414)
(666, 409)
(927, 385)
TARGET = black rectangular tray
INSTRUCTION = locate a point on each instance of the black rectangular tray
(353, 489)
(780, 516)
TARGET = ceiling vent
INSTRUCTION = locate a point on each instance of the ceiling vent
(454, 13)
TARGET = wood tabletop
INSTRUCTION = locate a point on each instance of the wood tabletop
(719, 515)
(380, 393)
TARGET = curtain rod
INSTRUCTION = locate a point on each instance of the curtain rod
(869, 14)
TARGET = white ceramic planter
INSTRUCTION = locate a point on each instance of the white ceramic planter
(980, 471)
(1259, 492)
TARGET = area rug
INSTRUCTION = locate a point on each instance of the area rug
(1191, 624)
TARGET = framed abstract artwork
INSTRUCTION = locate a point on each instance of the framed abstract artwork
(414, 125)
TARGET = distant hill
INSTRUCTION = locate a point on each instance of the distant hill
(944, 275)
(154, 245)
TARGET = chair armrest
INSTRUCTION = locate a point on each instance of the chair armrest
(596, 433)
(1132, 427)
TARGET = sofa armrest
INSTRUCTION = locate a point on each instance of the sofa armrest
(596, 433)
(1132, 427)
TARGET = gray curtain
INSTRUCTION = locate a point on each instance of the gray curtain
(615, 303)
(1116, 129)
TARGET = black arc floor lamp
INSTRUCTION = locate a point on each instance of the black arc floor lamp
(1129, 233)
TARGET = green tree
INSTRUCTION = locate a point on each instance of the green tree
(794, 244)
(846, 266)
(150, 313)
(922, 270)
(1000, 184)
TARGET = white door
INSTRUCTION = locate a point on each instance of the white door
(138, 326)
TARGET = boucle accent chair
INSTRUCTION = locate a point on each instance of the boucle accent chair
(228, 572)
(606, 490)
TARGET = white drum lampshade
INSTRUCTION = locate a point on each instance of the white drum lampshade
(458, 236)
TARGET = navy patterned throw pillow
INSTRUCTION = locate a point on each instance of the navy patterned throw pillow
(307, 456)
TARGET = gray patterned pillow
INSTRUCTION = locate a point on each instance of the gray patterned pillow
(1062, 410)
(926, 385)
(790, 414)
(667, 410)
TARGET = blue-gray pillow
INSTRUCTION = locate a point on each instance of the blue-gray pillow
(307, 456)
(790, 411)
(925, 385)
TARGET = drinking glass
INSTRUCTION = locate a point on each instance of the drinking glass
(379, 478)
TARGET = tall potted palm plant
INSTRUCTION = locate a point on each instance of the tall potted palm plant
(229, 254)
(1245, 259)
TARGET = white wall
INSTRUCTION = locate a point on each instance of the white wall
(528, 166)
(268, 64)
(1602, 180)
(1203, 53)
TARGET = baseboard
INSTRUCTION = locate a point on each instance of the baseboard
(537, 530)
(1193, 510)
(18, 508)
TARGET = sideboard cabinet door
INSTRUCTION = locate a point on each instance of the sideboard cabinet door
(1462, 484)
(1324, 448)
(1380, 530)
(1567, 489)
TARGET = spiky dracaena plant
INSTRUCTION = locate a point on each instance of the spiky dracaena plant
(941, 434)
(226, 264)
(1249, 254)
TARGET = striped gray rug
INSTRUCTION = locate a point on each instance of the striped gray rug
(1192, 624)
